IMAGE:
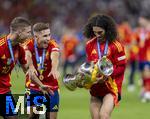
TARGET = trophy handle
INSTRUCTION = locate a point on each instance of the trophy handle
(70, 82)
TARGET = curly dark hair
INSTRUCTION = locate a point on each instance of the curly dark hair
(104, 21)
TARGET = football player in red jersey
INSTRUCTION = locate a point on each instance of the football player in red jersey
(102, 34)
(44, 52)
(143, 35)
(11, 53)
(69, 55)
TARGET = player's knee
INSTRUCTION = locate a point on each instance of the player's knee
(95, 115)
(52, 115)
(104, 115)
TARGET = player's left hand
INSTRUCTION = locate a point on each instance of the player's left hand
(46, 89)
(54, 73)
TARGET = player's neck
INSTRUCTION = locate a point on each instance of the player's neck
(39, 46)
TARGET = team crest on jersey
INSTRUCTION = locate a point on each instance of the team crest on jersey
(3, 57)
(93, 52)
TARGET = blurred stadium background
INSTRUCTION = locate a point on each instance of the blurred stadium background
(67, 19)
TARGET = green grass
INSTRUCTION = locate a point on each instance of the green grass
(75, 105)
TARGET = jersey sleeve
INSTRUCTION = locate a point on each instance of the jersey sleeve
(54, 46)
(2, 44)
(28, 45)
(119, 59)
(119, 56)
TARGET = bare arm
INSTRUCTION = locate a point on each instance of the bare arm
(29, 64)
(55, 62)
(31, 69)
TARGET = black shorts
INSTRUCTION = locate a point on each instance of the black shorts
(101, 97)
(7, 105)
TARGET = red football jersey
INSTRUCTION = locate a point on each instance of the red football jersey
(6, 66)
(147, 48)
(47, 65)
(133, 48)
(69, 45)
(117, 56)
(143, 37)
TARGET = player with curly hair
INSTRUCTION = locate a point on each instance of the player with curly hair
(102, 34)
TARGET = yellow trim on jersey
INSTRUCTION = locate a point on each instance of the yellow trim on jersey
(28, 83)
(112, 85)
(27, 42)
(3, 57)
(118, 45)
(2, 42)
(53, 43)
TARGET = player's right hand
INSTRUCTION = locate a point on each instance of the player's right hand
(32, 71)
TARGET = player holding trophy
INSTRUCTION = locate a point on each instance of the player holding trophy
(107, 61)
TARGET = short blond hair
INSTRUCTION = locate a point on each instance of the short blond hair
(40, 26)
(19, 22)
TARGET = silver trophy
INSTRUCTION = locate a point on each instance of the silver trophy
(84, 73)
(105, 66)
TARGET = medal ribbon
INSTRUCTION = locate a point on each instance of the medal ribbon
(99, 49)
(10, 50)
(39, 64)
(100, 56)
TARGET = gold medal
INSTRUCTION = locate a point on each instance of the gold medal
(41, 77)
(9, 61)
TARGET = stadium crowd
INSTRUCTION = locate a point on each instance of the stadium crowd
(67, 19)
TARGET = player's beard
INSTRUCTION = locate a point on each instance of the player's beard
(101, 38)
(23, 39)
(20, 41)
(16, 41)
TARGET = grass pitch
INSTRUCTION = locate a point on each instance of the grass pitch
(75, 105)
